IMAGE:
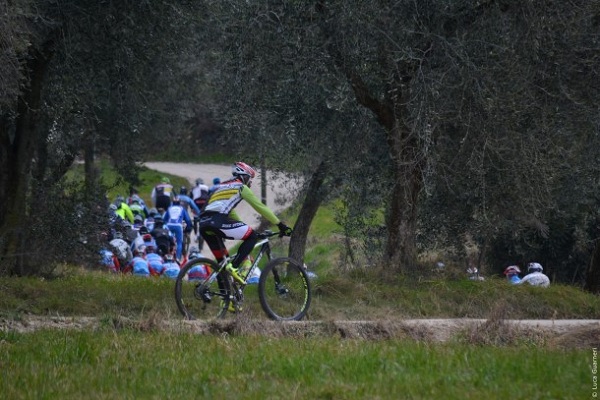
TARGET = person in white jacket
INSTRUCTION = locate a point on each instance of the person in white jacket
(535, 276)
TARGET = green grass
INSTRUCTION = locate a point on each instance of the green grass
(87, 293)
(356, 295)
(324, 224)
(359, 295)
(130, 364)
(118, 186)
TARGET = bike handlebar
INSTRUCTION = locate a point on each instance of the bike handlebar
(268, 233)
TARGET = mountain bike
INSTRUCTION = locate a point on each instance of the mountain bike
(284, 288)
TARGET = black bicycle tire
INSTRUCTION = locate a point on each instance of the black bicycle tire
(187, 240)
(200, 241)
(222, 280)
(267, 276)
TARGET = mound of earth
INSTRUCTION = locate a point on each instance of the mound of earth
(557, 333)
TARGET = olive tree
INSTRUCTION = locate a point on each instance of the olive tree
(286, 114)
(465, 95)
(94, 77)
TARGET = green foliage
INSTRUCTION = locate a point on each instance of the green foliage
(491, 115)
(126, 364)
(135, 85)
(12, 28)
(494, 107)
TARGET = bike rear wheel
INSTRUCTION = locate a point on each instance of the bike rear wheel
(207, 297)
(284, 290)
(200, 242)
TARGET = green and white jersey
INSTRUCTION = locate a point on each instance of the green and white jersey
(228, 195)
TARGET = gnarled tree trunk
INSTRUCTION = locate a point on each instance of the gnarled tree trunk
(314, 196)
(592, 281)
(401, 250)
(19, 140)
(401, 253)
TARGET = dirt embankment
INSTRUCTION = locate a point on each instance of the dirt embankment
(562, 333)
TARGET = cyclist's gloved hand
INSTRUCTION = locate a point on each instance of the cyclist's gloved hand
(284, 230)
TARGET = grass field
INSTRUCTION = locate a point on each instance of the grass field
(132, 364)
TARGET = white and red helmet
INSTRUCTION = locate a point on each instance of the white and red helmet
(512, 270)
(242, 169)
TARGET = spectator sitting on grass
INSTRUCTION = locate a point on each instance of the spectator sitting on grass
(535, 276)
(512, 274)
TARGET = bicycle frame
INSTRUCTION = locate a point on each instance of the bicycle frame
(265, 248)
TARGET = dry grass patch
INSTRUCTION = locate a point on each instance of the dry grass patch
(499, 332)
(580, 338)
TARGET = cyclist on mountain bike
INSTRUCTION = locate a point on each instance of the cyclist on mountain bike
(220, 221)
(165, 241)
(123, 210)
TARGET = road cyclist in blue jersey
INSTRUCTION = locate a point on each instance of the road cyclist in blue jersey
(175, 218)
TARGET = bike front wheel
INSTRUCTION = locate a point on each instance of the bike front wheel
(200, 292)
(284, 290)
(186, 244)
